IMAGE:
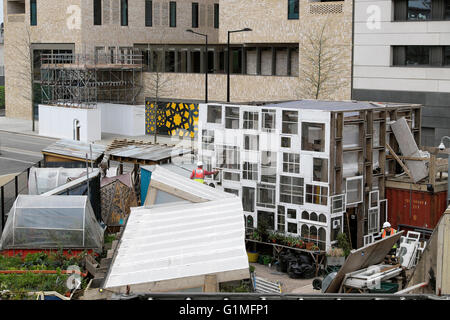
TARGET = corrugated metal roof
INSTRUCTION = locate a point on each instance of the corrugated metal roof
(181, 169)
(185, 184)
(326, 105)
(75, 149)
(149, 152)
(180, 240)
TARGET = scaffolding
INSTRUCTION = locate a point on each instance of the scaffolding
(83, 80)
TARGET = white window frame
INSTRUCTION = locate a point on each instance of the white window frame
(372, 229)
(263, 121)
(370, 199)
(362, 189)
(251, 120)
(333, 199)
(289, 163)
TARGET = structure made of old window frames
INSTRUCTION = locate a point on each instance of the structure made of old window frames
(291, 162)
(320, 170)
(281, 219)
(250, 171)
(265, 196)
(373, 220)
(250, 120)
(214, 114)
(251, 142)
(291, 190)
(316, 194)
(317, 235)
(354, 187)
(374, 199)
(313, 136)
(268, 166)
(290, 122)
(232, 117)
(248, 199)
(338, 204)
(208, 139)
(266, 218)
(228, 157)
(268, 120)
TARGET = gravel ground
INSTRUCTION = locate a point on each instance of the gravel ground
(288, 285)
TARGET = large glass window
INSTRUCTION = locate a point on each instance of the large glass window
(250, 171)
(320, 170)
(231, 117)
(419, 9)
(148, 13)
(173, 14)
(268, 166)
(266, 219)
(214, 114)
(97, 12)
(251, 142)
(290, 122)
(194, 15)
(33, 13)
(250, 120)
(268, 120)
(265, 195)
(216, 15)
(228, 157)
(417, 55)
(313, 136)
(124, 12)
(291, 162)
(291, 190)
(248, 199)
(316, 194)
(293, 9)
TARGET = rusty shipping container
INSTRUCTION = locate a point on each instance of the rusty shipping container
(421, 209)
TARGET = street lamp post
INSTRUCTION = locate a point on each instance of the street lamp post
(442, 147)
(228, 57)
(206, 61)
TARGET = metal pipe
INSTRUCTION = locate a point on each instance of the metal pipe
(420, 285)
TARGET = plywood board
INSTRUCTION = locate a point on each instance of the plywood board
(364, 257)
(408, 147)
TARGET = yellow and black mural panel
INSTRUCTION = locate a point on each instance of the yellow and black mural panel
(171, 118)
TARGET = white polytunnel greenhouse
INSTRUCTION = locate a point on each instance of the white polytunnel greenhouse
(42, 180)
(47, 222)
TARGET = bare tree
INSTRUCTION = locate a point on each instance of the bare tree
(322, 63)
(159, 83)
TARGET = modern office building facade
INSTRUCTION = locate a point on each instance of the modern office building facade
(265, 63)
(402, 54)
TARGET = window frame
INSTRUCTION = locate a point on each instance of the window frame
(293, 9)
(232, 117)
(194, 14)
(289, 122)
(124, 13)
(289, 163)
(305, 136)
(252, 119)
(148, 13)
(216, 15)
(33, 13)
(248, 171)
(288, 191)
(313, 195)
(172, 14)
(270, 189)
(273, 114)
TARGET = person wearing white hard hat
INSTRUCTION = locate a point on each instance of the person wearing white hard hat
(388, 231)
(199, 174)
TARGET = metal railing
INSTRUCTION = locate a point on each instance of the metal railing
(133, 58)
(10, 191)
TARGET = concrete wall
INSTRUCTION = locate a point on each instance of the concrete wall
(58, 122)
(125, 120)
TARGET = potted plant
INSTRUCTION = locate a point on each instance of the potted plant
(309, 245)
(335, 257)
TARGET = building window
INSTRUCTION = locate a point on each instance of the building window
(290, 122)
(97, 12)
(216, 15)
(248, 199)
(208, 139)
(285, 142)
(231, 117)
(292, 213)
(291, 162)
(124, 12)
(33, 13)
(447, 10)
(293, 9)
(291, 190)
(251, 142)
(250, 171)
(373, 220)
(419, 9)
(313, 136)
(316, 194)
(265, 196)
(312, 234)
(173, 14)
(336, 227)
(280, 219)
(194, 15)
(266, 220)
(250, 120)
(268, 166)
(268, 120)
(231, 176)
(250, 222)
(447, 54)
(232, 191)
(228, 157)
(320, 170)
(337, 204)
(148, 13)
(292, 227)
(354, 187)
(417, 55)
(214, 114)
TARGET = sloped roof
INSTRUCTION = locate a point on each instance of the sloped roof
(75, 149)
(180, 240)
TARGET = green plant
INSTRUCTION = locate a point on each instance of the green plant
(2, 97)
(255, 236)
(343, 243)
(252, 269)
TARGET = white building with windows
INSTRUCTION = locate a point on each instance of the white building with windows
(301, 166)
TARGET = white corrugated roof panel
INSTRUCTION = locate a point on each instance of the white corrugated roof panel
(185, 184)
(180, 240)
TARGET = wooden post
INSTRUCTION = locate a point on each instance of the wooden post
(211, 284)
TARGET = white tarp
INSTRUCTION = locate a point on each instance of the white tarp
(180, 240)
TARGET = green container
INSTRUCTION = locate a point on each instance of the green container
(386, 287)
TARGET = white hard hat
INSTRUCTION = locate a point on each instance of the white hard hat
(386, 225)
(200, 163)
